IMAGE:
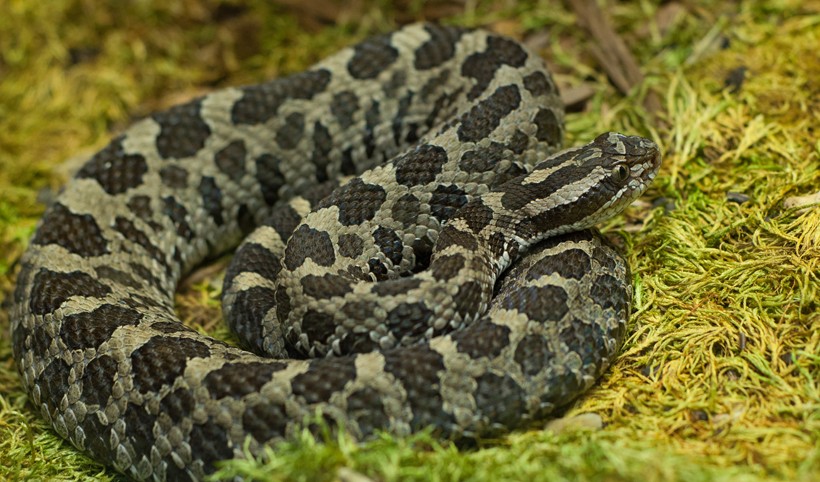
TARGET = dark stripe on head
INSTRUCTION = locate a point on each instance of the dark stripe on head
(518, 195)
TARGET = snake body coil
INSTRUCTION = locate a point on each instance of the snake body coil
(460, 252)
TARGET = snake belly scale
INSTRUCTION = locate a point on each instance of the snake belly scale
(410, 198)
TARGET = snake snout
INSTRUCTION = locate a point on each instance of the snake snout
(641, 154)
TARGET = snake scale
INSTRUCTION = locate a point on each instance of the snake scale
(423, 258)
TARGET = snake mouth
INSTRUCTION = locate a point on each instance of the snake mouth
(652, 161)
(649, 159)
(653, 152)
(654, 158)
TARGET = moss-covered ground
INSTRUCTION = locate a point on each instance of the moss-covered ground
(720, 376)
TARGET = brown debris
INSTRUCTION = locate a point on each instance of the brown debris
(317, 13)
(611, 51)
(575, 97)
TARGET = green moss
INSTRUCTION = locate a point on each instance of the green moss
(719, 377)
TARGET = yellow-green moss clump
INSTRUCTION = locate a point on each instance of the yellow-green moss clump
(719, 377)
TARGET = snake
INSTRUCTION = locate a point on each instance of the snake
(415, 250)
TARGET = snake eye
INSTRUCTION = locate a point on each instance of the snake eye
(620, 173)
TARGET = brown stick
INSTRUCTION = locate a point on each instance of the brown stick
(610, 50)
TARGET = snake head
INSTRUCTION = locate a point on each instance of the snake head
(582, 186)
(635, 158)
(628, 163)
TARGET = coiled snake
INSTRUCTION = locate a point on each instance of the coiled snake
(448, 254)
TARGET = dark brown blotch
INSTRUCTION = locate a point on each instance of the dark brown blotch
(518, 142)
(562, 215)
(482, 65)
(398, 80)
(539, 303)
(476, 215)
(344, 106)
(283, 304)
(97, 439)
(178, 215)
(141, 206)
(120, 277)
(183, 131)
(450, 236)
(323, 378)
(439, 48)
(446, 267)
(549, 127)
(372, 119)
(469, 297)
(366, 408)
(260, 103)
(501, 400)
(322, 147)
(433, 86)
(572, 263)
(139, 428)
(372, 57)
(169, 327)
(395, 286)
(499, 246)
(538, 84)
(406, 210)
(421, 165)
(270, 177)
(53, 384)
(609, 292)
(50, 289)
(231, 160)
(318, 326)
(418, 369)
(357, 343)
(533, 354)
(446, 200)
(253, 258)
(350, 245)
(113, 169)
(307, 242)
(408, 320)
(209, 441)
(484, 117)
(161, 360)
(587, 340)
(291, 131)
(284, 220)
(484, 159)
(130, 232)
(236, 380)
(265, 421)
(78, 233)
(98, 379)
(325, 286)
(93, 328)
(174, 177)
(389, 244)
(399, 122)
(211, 199)
(246, 314)
(482, 339)
(356, 201)
(146, 274)
(177, 404)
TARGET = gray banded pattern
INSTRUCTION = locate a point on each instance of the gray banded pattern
(408, 198)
